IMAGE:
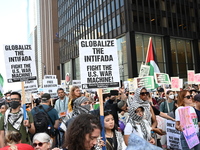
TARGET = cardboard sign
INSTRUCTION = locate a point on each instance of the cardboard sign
(190, 74)
(147, 82)
(76, 83)
(162, 78)
(144, 70)
(20, 63)
(175, 84)
(188, 127)
(99, 67)
(173, 136)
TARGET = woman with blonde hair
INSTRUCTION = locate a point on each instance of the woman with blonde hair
(13, 142)
(74, 93)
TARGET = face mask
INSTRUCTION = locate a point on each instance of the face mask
(14, 104)
(87, 106)
(176, 95)
(171, 96)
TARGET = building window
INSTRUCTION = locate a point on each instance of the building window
(118, 20)
(142, 46)
(108, 8)
(182, 57)
(122, 58)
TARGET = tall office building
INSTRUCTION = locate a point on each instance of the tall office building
(173, 26)
(47, 60)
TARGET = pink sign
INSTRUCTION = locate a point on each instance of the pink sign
(188, 127)
(175, 84)
(197, 78)
(191, 76)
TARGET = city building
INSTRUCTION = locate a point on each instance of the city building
(173, 26)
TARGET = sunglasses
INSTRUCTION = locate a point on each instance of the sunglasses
(144, 93)
(39, 144)
(188, 96)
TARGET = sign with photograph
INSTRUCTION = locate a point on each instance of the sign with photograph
(161, 78)
(144, 70)
(99, 67)
(147, 82)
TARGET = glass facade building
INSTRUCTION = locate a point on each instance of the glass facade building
(173, 26)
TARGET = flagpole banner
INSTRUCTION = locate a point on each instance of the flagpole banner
(162, 78)
(20, 63)
(197, 78)
(190, 74)
(144, 70)
(147, 82)
(175, 84)
(173, 136)
(99, 67)
(1, 85)
(188, 127)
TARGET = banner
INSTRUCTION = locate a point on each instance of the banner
(20, 63)
(99, 67)
(175, 84)
(162, 78)
(147, 82)
(144, 70)
(190, 74)
(173, 136)
(188, 127)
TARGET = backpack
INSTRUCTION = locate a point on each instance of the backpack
(42, 120)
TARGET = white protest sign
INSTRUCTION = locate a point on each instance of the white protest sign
(144, 70)
(20, 63)
(76, 83)
(131, 85)
(180, 83)
(51, 91)
(50, 77)
(173, 136)
(50, 83)
(28, 97)
(63, 84)
(99, 67)
(31, 86)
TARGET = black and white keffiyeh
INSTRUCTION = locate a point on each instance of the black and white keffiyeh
(15, 119)
(144, 103)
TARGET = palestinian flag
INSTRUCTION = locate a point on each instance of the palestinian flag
(1, 85)
(151, 61)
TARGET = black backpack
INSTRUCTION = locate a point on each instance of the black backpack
(42, 120)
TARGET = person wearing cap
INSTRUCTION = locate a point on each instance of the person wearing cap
(197, 105)
(52, 113)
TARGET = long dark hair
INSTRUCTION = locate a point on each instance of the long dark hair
(82, 125)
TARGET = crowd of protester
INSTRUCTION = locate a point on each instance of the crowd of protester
(71, 122)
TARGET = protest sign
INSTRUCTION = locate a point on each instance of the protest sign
(31, 86)
(190, 74)
(180, 83)
(63, 84)
(147, 82)
(188, 127)
(20, 63)
(99, 67)
(131, 85)
(197, 78)
(161, 125)
(76, 83)
(161, 78)
(175, 84)
(50, 85)
(144, 70)
(173, 136)
(28, 97)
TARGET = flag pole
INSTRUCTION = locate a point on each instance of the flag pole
(148, 51)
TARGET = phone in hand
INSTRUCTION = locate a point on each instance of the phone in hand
(114, 92)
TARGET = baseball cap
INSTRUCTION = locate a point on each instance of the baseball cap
(45, 96)
(197, 97)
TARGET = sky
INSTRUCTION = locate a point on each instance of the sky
(13, 30)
